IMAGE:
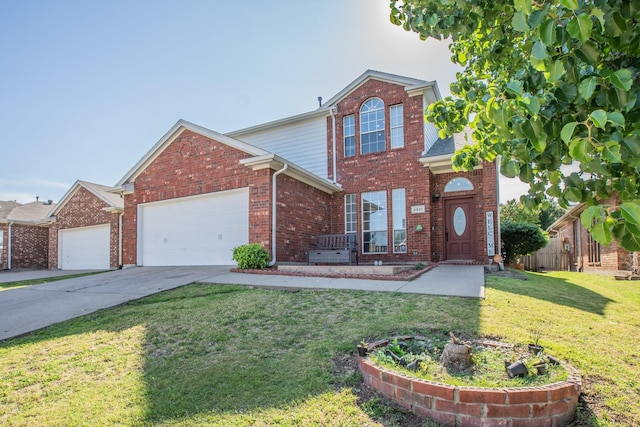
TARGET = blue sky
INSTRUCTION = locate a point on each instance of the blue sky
(86, 88)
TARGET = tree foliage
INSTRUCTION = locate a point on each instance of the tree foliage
(521, 238)
(546, 84)
(516, 211)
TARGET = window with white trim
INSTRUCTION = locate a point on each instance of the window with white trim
(458, 184)
(374, 222)
(350, 225)
(372, 126)
(349, 133)
(397, 126)
(399, 215)
(594, 250)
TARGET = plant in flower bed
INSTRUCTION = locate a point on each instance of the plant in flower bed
(421, 357)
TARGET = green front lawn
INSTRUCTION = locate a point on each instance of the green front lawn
(23, 283)
(229, 355)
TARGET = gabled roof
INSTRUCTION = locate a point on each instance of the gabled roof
(260, 159)
(410, 84)
(114, 201)
(171, 136)
(568, 217)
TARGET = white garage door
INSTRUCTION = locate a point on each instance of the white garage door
(199, 230)
(84, 248)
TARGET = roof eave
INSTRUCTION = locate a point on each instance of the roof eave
(441, 164)
(320, 112)
(272, 161)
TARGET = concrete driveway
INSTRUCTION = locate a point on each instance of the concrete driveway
(27, 309)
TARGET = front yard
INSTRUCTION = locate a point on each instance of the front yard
(228, 355)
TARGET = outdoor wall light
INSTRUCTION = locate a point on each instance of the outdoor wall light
(435, 198)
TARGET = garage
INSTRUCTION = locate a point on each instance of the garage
(196, 230)
(84, 248)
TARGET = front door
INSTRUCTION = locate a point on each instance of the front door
(460, 229)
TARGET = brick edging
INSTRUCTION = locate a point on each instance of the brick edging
(549, 405)
(274, 271)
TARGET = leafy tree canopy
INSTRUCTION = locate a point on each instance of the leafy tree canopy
(546, 84)
(516, 211)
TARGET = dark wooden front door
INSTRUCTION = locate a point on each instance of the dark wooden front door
(460, 229)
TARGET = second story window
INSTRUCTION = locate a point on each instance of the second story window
(372, 126)
(397, 126)
(349, 131)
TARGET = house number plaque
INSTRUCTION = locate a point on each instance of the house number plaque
(418, 209)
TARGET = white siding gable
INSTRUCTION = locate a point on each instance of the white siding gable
(303, 142)
(430, 131)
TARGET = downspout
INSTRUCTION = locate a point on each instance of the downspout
(333, 111)
(120, 240)
(498, 203)
(273, 214)
(9, 246)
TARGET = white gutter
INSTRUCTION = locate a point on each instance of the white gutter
(274, 198)
(498, 203)
(9, 247)
(333, 111)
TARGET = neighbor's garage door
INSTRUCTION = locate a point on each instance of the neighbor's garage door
(84, 248)
(198, 230)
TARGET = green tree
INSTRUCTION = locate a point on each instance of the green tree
(515, 211)
(549, 215)
(544, 216)
(521, 238)
(546, 84)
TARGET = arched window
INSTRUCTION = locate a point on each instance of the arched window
(372, 126)
(458, 184)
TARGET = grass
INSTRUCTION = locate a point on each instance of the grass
(237, 356)
(24, 283)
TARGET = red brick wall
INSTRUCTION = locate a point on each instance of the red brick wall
(302, 213)
(613, 258)
(29, 246)
(192, 165)
(84, 209)
(401, 168)
(386, 170)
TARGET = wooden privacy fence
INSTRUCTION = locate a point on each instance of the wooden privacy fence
(551, 257)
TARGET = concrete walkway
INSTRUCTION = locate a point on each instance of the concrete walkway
(451, 280)
(27, 309)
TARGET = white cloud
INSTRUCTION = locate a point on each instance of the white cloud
(17, 196)
(33, 182)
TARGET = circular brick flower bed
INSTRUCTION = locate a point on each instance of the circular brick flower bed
(548, 405)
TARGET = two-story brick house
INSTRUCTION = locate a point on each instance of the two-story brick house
(364, 162)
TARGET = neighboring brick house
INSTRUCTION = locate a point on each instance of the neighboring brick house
(85, 232)
(578, 251)
(24, 235)
(365, 162)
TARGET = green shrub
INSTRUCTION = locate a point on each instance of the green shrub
(521, 238)
(251, 255)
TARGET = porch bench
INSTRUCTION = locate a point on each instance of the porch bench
(334, 249)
